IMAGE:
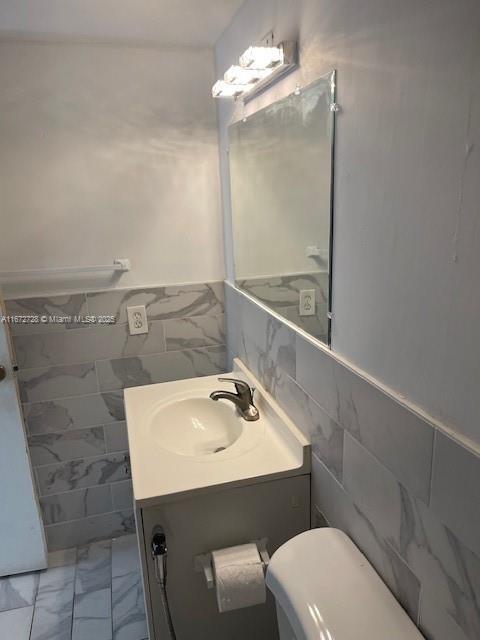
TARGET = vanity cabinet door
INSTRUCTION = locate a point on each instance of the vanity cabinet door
(277, 510)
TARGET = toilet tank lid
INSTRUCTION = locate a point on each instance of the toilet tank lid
(328, 589)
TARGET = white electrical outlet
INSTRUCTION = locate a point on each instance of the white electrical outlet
(137, 320)
(307, 302)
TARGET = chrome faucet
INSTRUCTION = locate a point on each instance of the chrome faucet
(243, 399)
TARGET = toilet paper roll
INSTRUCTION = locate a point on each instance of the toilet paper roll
(239, 579)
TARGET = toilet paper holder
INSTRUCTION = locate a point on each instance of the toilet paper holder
(203, 562)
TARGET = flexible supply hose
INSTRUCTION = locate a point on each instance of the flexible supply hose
(159, 553)
(166, 610)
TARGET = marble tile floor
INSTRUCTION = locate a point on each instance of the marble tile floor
(92, 592)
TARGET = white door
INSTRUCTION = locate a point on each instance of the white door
(22, 538)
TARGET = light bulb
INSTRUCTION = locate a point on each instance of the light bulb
(222, 89)
(261, 57)
(240, 75)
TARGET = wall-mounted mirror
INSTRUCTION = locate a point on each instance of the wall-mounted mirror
(281, 169)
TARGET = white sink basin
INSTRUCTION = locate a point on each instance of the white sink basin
(195, 426)
(182, 442)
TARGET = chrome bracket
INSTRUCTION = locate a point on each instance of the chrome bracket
(204, 563)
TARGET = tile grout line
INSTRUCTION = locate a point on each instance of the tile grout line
(111, 585)
(430, 484)
(74, 590)
(208, 349)
(211, 349)
(70, 430)
(124, 325)
(80, 363)
(61, 462)
(69, 491)
(83, 395)
(31, 621)
(96, 375)
(93, 292)
(93, 515)
(75, 565)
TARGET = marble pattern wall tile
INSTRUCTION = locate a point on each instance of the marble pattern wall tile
(316, 325)
(125, 556)
(325, 435)
(233, 321)
(92, 529)
(341, 512)
(173, 365)
(68, 305)
(263, 342)
(445, 567)
(128, 608)
(250, 341)
(456, 489)
(116, 436)
(18, 591)
(72, 413)
(283, 291)
(114, 403)
(122, 495)
(194, 332)
(76, 346)
(52, 619)
(92, 596)
(47, 383)
(49, 448)
(92, 616)
(67, 476)
(280, 347)
(374, 490)
(317, 373)
(62, 558)
(76, 504)
(393, 433)
(283, 294)
(438, 623)
(16, 623)
(93, 571)
(161, 303)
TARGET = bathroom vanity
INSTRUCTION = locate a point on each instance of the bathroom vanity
(209, 480)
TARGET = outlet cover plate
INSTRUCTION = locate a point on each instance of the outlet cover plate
(137, 320)
(307, 302)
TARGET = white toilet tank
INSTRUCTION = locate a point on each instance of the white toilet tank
(325, 588)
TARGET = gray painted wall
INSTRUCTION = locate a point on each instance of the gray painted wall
(108, 152)
(407, 239)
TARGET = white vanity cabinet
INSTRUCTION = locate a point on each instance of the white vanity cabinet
(211, 479)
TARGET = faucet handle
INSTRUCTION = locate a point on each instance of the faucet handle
(241, 386)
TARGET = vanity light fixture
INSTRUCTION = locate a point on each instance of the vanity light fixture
(258, 68)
